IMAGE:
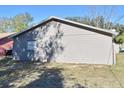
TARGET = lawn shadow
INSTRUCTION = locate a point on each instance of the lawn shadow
(6, 61)
(50, 78)
(10, 71)
(5, 64)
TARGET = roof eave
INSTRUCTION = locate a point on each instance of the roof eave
(108, 32)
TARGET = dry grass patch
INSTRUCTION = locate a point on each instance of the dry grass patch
(30, 74)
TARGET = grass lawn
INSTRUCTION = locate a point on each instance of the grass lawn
(17, 74)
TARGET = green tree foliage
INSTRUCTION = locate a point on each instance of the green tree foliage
(5, 24)
(16, 23)
(21, 21)
(120, 37)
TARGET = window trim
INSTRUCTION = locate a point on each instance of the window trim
(27, 47)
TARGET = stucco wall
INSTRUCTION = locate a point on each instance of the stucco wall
(69, 44)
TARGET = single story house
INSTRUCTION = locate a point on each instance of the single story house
(60, 40)
(6, 43)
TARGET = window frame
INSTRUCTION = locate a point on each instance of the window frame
(31, 46)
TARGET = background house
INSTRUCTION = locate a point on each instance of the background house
(6, 43)
(61, 40)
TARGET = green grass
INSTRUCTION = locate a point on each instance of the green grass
(30, 74)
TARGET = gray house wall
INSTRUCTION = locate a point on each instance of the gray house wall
(64, 43)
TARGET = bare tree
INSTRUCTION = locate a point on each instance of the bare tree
(107, 12)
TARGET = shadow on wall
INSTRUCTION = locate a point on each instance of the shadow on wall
(51, 78)
(49, 45)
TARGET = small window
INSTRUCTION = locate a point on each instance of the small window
(31, 45)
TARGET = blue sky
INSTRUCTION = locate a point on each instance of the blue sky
(42, 11)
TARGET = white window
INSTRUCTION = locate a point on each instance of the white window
(31, 45)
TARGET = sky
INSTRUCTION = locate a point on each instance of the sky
(40, 12)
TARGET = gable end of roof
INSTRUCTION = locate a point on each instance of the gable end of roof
(72, 23)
